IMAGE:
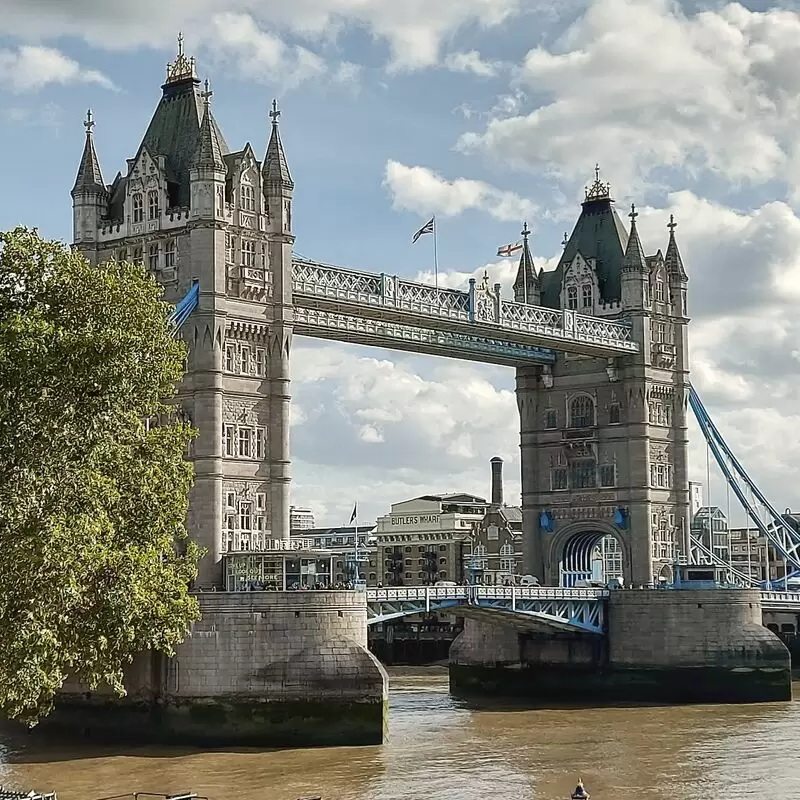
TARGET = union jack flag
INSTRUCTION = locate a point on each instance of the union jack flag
(426, 228)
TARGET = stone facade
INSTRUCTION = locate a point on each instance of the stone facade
(604, 443)
(259, 668)
(661, 646)
(192, 210)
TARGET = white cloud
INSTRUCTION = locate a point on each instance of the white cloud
(639, 85)
(412, 29)
(374, 427)
(30, 68)
(472, 62)
(425, 191)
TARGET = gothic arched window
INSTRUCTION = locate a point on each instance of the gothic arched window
(586, 295)
(572, 297)
(581, 412)
(138, 208)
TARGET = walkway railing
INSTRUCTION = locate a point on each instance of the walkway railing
(481, 310)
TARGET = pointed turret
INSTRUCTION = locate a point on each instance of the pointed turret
(526, 284)
(634, 260)
(672, 259)
(275, 170)
(89, 196)
(89, 178)
(209, 151)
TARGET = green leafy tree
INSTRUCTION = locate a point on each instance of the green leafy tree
(94, 561)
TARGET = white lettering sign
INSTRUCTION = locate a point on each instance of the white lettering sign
(422, 519)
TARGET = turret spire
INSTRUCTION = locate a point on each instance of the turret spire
(209, 151)
(672, 258)
(634, 260)
(526, 284)
(89, 178)
(276, 170)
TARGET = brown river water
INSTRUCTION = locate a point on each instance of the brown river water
(442, 749)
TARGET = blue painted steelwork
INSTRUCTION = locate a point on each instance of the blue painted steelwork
(564, 609)
(764, 516)
(185, 306)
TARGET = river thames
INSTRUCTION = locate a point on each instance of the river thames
(440, 748)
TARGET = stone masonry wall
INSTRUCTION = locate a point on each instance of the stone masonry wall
(259, 668)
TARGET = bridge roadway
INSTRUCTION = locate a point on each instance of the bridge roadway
(529, 607)
(479, 325)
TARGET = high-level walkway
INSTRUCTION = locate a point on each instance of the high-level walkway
(479, 325)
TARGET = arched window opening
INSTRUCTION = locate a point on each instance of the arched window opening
(581, 412)
(572, 298)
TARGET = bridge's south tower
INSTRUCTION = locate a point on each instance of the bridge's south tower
(604, 442)
(191, 209)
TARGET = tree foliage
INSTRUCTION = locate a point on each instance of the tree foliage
(93, 498)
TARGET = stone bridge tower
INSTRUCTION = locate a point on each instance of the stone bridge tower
(604, 442)
(191, 209)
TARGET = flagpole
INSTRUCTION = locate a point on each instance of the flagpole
(435, 255)
(358, 576)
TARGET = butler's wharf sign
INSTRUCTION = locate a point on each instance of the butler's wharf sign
(418, 519)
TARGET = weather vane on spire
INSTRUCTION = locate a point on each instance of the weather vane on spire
(275, 114)
(672, 225)
(633, 213)
(89, 123)
(526, 231)
(207, 93)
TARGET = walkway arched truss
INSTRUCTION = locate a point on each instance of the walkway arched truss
(580, 552)
(562, 609)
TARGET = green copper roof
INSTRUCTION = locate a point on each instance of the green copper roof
(174, 132)
(599, 234)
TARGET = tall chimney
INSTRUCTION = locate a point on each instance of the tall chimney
(497, 481)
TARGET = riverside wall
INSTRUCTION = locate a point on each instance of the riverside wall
(661, 646)
(277, 669)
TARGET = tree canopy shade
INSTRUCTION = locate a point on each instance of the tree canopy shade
(93, 500)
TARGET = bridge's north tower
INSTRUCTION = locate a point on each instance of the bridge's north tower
(604, 441)
(191, 209)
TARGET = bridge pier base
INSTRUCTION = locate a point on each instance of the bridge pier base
(260, 669)
(661, 646)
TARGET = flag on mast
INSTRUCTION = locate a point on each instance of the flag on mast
(428, 227)
(354, 515)
(509, 250)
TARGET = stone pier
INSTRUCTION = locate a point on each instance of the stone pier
(277, 669)
(662, 646)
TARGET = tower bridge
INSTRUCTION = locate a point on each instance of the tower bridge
(599, 346)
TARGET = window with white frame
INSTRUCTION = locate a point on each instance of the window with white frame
(247, 198)
(245, 516)
(660, 294)
(137, 205)
(152, 256)
(261, 362)
(661, 475)
(558, 479)
(152, 204)
(659, 413)
(586, 295)
(245, 442)
(572, 298)
(138, 255)
(230, 249)
(261, 443)
(507, 549)
(229, 436)
(583, 473)
(170, 254)
(245, 364)
(581, 412)
(248, 253)
(230, 358)
(608, 475)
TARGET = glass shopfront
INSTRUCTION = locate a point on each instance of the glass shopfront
(276, 572)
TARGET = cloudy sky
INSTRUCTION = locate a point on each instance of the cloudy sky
(485, 112)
